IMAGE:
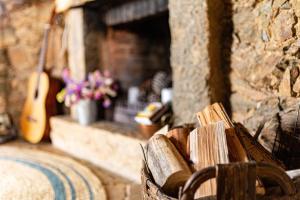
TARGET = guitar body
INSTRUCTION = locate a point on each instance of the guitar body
(39, 106)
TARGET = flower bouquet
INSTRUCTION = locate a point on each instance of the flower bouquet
(84, 94)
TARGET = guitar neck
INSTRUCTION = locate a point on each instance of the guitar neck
(43, 52)
(42, 58)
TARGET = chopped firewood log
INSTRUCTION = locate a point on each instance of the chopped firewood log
(179, 136)
(168, 168)
(214, 113)
(208, 147)
(254, 149)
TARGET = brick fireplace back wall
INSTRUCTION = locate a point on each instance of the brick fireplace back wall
(135, 52)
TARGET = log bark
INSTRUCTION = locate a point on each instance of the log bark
(167, 166)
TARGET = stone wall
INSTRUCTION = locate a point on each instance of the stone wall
(265, 56)
(20, 41)
(256, 63)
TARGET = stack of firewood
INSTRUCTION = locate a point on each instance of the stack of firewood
(171, 156)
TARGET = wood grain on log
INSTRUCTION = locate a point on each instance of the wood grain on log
(208, 147)
(215, 113)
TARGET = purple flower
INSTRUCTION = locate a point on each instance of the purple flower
(98, 86)
(98, 95)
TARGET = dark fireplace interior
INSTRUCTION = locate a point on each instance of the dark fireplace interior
(135, 51)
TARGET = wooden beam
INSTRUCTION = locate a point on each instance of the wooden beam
(63, 5)
(133, 11)
(76, 48)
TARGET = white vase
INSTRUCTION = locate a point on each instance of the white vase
(86, 111)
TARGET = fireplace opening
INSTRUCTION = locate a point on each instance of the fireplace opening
(134, 52)
(137, 53)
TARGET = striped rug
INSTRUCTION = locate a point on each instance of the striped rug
(37, 175)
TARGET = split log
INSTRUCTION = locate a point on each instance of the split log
(168, 168)
(214, 113)
(208, 147)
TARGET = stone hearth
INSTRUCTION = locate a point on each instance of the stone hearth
(111, 146)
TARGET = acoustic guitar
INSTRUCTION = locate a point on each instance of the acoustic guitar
(40, 103)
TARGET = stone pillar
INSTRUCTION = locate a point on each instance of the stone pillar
(195, 55)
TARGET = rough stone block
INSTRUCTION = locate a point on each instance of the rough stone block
(20, 57)
(283, 26)
(8, 37)
(296, 7)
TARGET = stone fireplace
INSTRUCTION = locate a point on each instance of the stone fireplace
(243, 53)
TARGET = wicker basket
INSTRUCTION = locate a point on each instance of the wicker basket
(150, 190)
(242, 189)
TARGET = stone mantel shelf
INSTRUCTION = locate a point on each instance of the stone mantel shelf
(111, 146)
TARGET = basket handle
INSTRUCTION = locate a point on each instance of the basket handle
(261, 170)
(266, 170)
